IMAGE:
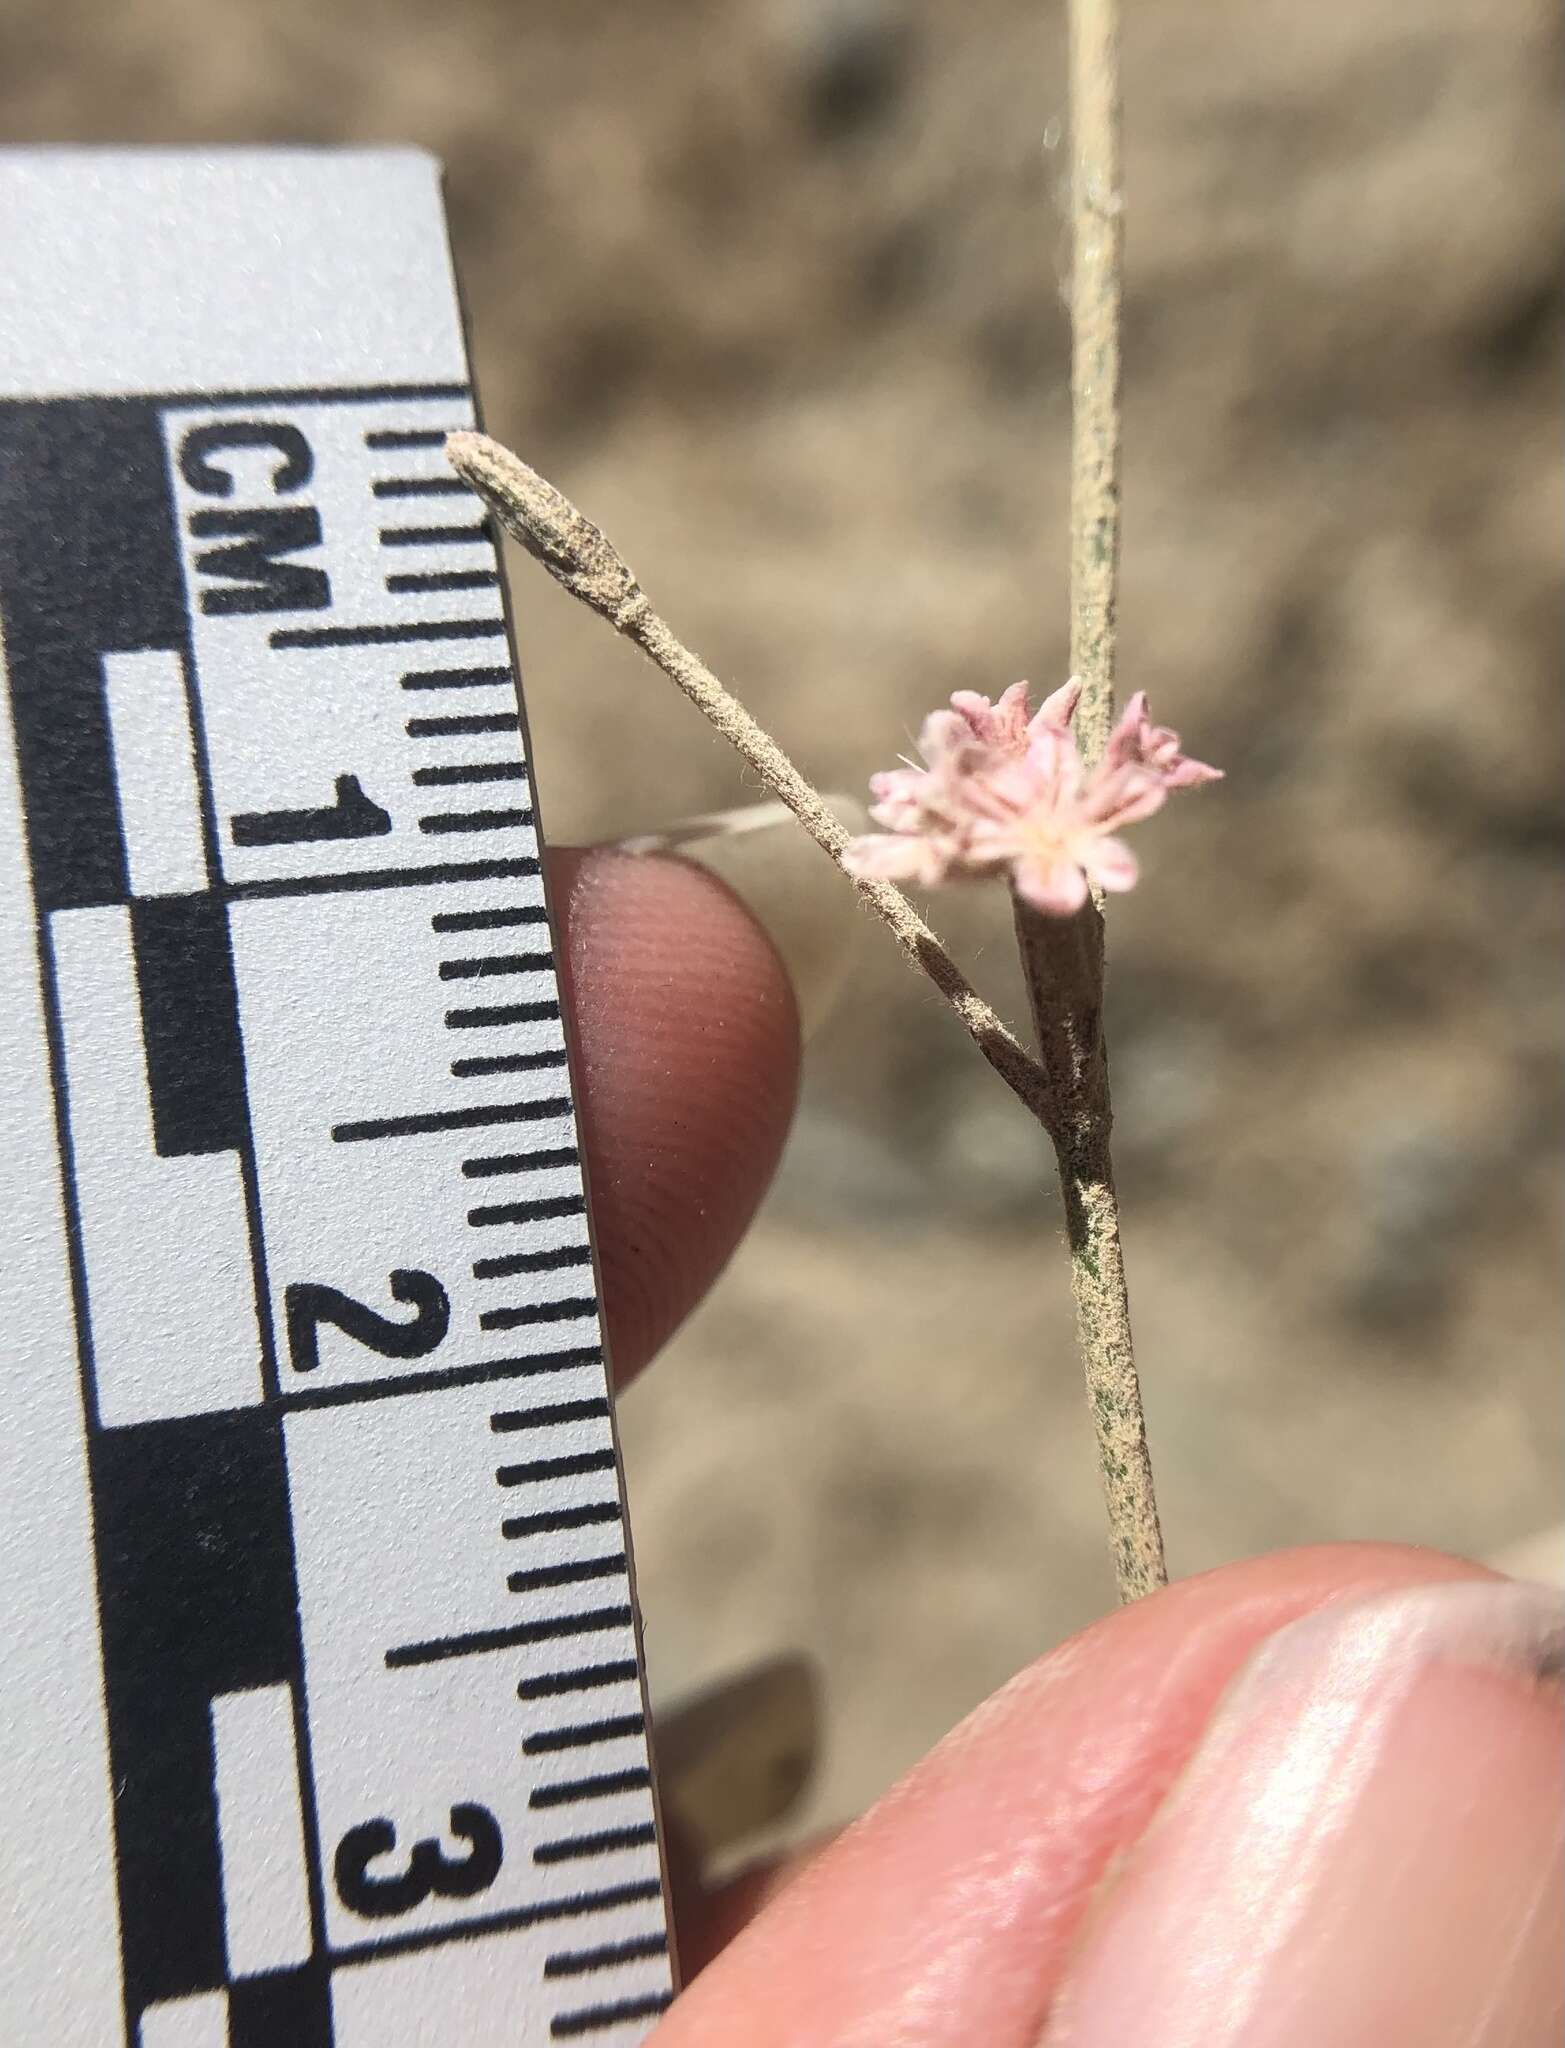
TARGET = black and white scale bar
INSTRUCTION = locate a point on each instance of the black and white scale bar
(597, 2019)
(227, 513)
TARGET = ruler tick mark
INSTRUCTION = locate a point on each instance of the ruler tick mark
(499, 1013)
(586, 1678)
(604, 1843)
(576, 1572)
(433, 536)
(456, 728)
(507, 1419)
(537, 1470)
(408, 437)
(442, 1648)
(488, 920)
(574, 1906)
(595, 2019)
(584, 1734)
(527, 1313)
(458, 679)
(523, 1162)
(586, 1516)
(572, 1791)
(489, 1215)
(452, 1119)
(494, 963)
(475, 821)
(508, 1062)
(450, 773)
(580, 1962)
(385, 635)
(419, 487)
(418, 580)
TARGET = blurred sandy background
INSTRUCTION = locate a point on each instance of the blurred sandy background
(773, 287)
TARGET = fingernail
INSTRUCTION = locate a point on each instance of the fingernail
(764, 855)
(734, 1759)
(1364, 1851)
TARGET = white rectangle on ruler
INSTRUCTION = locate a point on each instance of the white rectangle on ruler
(199, 2021)
(155, 772)
(166, 1243)
(266, 1897)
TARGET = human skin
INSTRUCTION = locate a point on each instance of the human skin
(1059, 1869)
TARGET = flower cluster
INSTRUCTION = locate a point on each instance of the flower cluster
(1004, 789)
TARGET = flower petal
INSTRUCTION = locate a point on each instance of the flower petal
(1187, 774)
(1110, 863)
(1058, 888)
(1059, 708)
(896, 857)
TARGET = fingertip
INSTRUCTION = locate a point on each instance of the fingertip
(686, 1049)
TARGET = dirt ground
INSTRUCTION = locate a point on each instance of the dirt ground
(774, 290)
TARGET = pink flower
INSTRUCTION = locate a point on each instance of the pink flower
(1136, 740)
(1004, 790)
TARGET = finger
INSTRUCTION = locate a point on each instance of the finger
(947, 1914)
(686, 1043)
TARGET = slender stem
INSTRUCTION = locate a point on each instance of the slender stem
(1063, 958)
(1097, 244)
(583, 560)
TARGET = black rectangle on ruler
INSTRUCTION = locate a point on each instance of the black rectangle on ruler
(198, 1597)
(190, 1024)
(88, 566)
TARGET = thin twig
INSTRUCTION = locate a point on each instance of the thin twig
(580, 558)
(1063, 958)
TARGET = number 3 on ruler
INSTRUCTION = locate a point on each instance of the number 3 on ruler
(430, 1873)
(307, 1304)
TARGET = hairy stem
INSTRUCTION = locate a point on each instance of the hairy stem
(1063, 958)
(581, 558)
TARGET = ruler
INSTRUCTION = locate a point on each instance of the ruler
(324, 1707)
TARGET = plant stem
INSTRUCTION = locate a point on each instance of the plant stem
(1063, 958)
(581, 558)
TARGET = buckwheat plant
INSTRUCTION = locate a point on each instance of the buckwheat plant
(1031, 801)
